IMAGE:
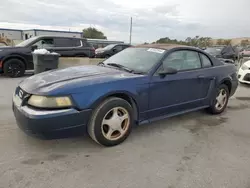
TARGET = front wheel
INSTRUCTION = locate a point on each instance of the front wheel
(111, 122)
(220, 101)
(14, 68)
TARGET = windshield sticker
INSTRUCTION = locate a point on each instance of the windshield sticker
(160, 51)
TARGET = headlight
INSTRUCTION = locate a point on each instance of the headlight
(49, 102)
(244, 67)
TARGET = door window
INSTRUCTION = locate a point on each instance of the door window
(63, 42)
(182, 60)
(118, 48)
(45, 43)
(205, 61)
(124, 47)
(76, 42)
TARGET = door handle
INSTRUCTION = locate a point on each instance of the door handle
(203, 77)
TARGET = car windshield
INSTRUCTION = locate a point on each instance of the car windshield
(213, 51)
(109, 47)
(26, 42)
(137, 59)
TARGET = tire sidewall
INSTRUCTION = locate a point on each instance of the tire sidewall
(14, 61)
(101, 112)
(214, 109)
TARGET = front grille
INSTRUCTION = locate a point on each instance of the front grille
(247, 77)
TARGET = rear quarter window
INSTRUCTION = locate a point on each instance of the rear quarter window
(86, 44)
(76, 42)
(206, 62)
(63, 42)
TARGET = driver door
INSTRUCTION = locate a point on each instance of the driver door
(179, 92)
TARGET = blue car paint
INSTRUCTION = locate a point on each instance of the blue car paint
(155, 98)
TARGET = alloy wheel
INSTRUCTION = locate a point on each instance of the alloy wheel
(221, 99)
(115, 123)
(14, 69)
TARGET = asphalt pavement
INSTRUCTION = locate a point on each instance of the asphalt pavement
(196, 150)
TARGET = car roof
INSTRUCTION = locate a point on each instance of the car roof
(163, 46)
(123, 44)
(53, 36)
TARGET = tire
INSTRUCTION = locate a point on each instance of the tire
(14, 68)
(219, 107)
(118, 116)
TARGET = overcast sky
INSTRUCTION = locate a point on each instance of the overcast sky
(152, 18)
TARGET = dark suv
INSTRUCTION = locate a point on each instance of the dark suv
(110, 50)
(15, 60)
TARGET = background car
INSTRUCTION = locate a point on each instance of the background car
(110, 50)
(245, 52)
(15, 60)
(136, 86)
(244, 73)
(224, 53)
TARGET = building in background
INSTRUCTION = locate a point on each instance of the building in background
(19, 35)
(15, 34)
(26, 34)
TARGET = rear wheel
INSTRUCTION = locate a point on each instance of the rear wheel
(220, 101)
(14, 68)
(111, 122)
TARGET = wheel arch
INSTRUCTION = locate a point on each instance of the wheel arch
(228, 83)
(123, 95)
(15, 57)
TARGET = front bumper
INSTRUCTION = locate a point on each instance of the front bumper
(244, 76)
(51, 124)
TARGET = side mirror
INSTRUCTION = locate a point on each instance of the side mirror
(34, 47)
(166, 71)
(114, 50)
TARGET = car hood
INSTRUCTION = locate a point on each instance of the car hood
(71, 79)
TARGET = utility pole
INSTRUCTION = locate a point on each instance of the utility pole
(130, 34)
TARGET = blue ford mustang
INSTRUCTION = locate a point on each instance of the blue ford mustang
(136, 86)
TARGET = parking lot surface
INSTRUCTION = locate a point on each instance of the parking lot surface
(189, 151)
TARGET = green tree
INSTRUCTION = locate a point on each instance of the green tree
(219, 42)
(93, 33)
(195, 41)
(227, 42)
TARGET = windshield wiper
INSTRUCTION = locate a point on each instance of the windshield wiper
(125, 68)
(137, 72)
(120, 66)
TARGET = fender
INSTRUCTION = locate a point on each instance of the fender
(131, 98)
(114, 93)
(15, 56)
